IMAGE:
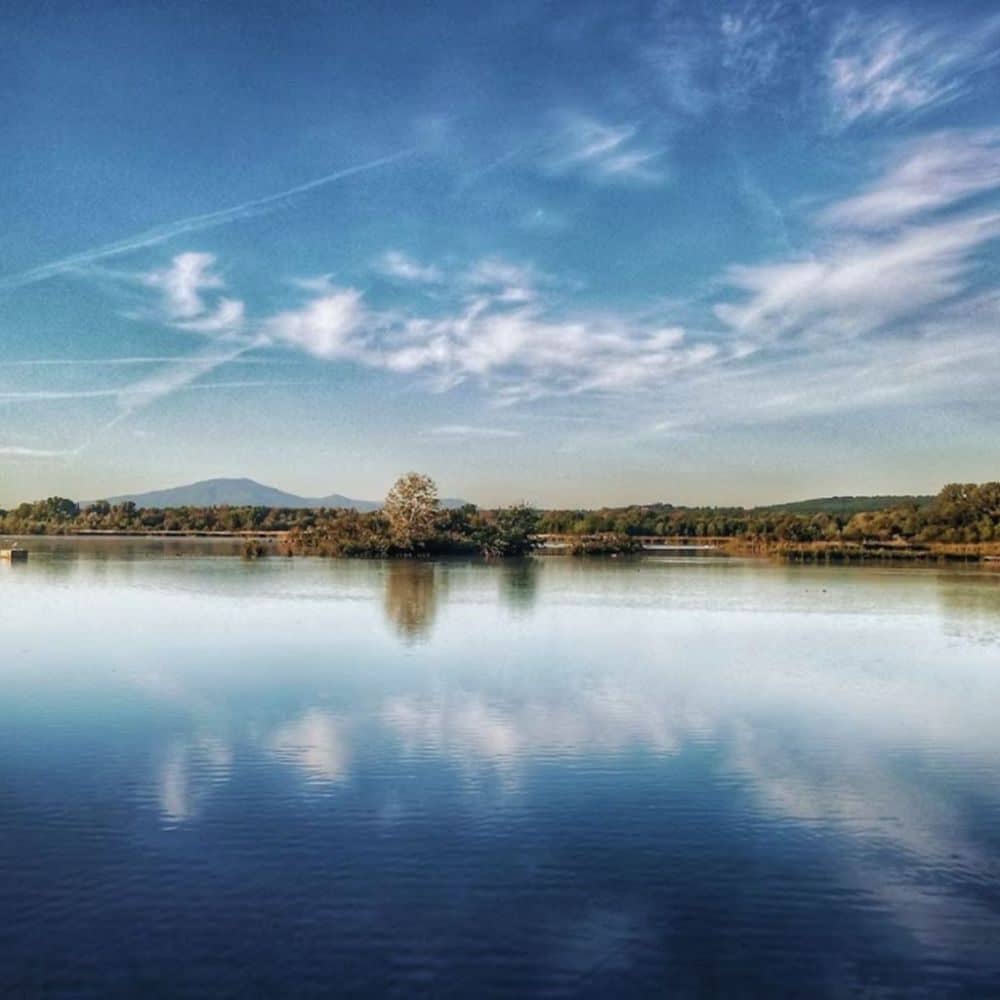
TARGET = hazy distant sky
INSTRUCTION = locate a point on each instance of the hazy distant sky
(567, 252)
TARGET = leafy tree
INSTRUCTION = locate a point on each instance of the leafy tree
(412, 509)
(510, 533)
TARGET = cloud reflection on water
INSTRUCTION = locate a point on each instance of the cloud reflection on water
(315, 742)
(187, 775)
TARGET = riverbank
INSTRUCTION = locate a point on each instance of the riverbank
(985, 553)
(263, 544)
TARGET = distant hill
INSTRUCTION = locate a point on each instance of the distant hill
(246, 493)
(845, 505)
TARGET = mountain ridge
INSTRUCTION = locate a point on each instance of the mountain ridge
(245, 492)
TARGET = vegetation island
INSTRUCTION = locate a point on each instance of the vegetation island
(962, 522)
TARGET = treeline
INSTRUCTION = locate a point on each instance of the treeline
(960, 513)
(58, 515)
(412, 522)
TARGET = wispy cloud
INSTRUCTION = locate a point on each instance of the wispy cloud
(605, 152)
(703, 57)
(402, 267)
(885, 255)
(191, 224)
(17, 451)
(502, 331)
(858, 286)
(928, 174)
(499, 326)
(886, 65)
(470, 431)
(941, 362)
(891, 308)
(503, 279)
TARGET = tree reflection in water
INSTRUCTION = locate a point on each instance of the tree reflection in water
(519, 583)
(411, 597)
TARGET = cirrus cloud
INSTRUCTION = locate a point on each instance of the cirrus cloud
(882, 65)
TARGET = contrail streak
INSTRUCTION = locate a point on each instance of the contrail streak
(176, 359)
(130, 398)
(194, 223)
(147, 391)
(15, 451)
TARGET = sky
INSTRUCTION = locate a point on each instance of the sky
(574, 253)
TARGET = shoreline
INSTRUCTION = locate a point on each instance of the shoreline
(984, 555)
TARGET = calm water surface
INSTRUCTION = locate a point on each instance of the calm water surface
(569, 778)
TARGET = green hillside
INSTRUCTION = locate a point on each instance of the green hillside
(846, 505)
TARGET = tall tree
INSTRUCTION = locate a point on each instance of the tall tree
(412, 509)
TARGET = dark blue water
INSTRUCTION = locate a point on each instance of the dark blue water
(694, 778)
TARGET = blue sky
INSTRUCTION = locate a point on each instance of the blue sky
(574, 253)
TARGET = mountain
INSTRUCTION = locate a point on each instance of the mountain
(236, 493)
(845, 505)
(247, 493)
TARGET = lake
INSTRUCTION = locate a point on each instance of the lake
(683, 777)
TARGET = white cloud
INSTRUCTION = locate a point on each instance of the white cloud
(467, 431)
(398, 265)
(893, 252)
(325, 327)
(184, 288)
(507, 281)
(858, 286)
(523, 352)
(499, 329)
(891, 308)
(938, 362)
(932, 173)
(881, 65)
(183, 283)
